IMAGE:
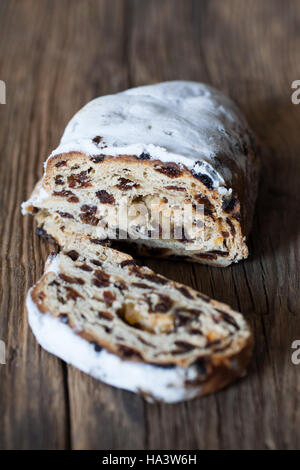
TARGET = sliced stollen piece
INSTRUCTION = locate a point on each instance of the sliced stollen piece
(161, 147)
(95, 308)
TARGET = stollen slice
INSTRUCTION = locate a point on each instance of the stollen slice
(129, 327)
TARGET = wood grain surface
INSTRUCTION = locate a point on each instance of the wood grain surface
(57, 55)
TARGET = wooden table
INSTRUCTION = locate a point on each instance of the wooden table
(57, 55)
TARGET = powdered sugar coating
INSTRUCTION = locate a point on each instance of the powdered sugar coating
(185, 122)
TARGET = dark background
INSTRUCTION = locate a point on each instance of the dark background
(57, 55)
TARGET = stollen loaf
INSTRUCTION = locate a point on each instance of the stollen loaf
(154, 150)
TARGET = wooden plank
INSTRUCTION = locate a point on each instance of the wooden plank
(32, 399)
(240, 47)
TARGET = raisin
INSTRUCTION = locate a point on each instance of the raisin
(225, 234)
(61, 163)
(204, 200)
(96, 262)
(232, 229)
(98, 283)
(205, 179)
(141, 285)
(97, 159)
(72, 293)
(164, 304)
(73, 199)
(63, 193)
(97, 139)
(229, 204)
(175, 188)
(195, 331)
(88, 218)
(105, 315)
(185, 292)
(150, 277)
(203, 297)
(208, 212)
(104, 197)
(229, 319)
(126, 184)
(120, 285)
(73, 255)
(171, 170)
(59, 179)
(142, 340)
(79, 180)
(195, 311)
(157, 279)
(87, 208)
(128, 352)
(128, 262)
(101, 278)
(184, 316)
(71, 280)
(85, 267)
(65, 215)
(42, 233)
(184, 347)
(144, 156)
(109, 297)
